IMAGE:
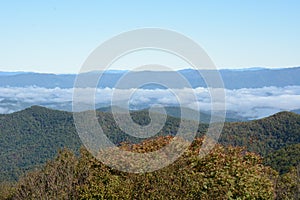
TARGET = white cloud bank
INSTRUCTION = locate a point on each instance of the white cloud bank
(247, 102)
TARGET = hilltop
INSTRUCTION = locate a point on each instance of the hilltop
(30, 137)
(264, 135)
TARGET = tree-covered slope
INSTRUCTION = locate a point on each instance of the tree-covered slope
(283, 159)
(31, 137)
(265, 135)
(225, 173)
(185, 113)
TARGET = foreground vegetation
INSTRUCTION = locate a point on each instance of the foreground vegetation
(225, 173)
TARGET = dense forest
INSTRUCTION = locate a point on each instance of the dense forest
(225, 173)
(276, 138)
(33, 136)
(254, 160)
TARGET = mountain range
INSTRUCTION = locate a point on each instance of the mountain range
(30, 137)
(250, 93)
(233, 79)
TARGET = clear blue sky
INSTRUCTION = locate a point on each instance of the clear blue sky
(57, 36)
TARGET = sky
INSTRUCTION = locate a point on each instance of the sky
(57, 36)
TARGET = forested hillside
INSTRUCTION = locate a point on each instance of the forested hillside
(31, 137)
(282, 159)
(225, 173)
(264, 135)
(276, 138)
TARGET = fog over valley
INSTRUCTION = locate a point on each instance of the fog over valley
(247, 102)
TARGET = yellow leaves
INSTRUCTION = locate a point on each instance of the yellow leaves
(224, 173)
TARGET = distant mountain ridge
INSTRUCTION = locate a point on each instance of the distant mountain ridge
(190, 114)
(296, 111)
(233, 79)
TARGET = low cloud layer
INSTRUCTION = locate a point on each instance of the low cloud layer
(250, 103)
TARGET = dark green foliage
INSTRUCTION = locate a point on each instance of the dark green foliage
(225, 173)
(265, 135)
(116, 135)
(276, 138)
(189, 114)
(56, 180)
(284, 159)
(30, 137)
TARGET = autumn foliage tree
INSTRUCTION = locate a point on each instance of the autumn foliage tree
(225, 173)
